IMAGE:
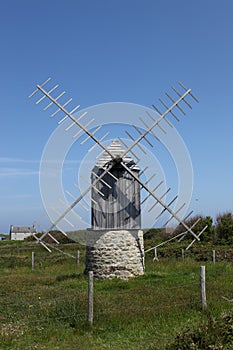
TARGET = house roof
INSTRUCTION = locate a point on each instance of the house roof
(116, 149)
(22, 229)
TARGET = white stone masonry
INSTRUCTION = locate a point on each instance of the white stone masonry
(115, 254)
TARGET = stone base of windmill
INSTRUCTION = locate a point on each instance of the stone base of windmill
(115, 254)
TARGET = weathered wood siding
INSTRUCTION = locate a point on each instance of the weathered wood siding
(119, 206)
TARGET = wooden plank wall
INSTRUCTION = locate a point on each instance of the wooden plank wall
(119, 207)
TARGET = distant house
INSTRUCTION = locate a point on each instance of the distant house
(18, 233)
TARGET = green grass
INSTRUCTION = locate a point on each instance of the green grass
(47, 308)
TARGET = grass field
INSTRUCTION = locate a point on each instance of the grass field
(47, 308)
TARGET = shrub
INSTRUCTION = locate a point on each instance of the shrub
(224, 228)
(152, 233)
(215, 334)
(207, 235)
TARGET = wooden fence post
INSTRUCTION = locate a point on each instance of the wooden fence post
(214, 256)
(183, 254)
(203, 288)
(78, 257)
(90, 297)
(33, 260)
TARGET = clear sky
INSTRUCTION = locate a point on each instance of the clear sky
(104, 51)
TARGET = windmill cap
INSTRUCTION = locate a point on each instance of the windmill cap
(117, 151)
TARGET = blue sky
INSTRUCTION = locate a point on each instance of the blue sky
(104, 51)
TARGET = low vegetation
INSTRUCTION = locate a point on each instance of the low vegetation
(47, 308)
(215, 333)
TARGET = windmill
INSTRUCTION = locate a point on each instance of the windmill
(115, 242)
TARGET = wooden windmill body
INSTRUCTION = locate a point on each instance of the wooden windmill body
(115, 199)
(115, 243)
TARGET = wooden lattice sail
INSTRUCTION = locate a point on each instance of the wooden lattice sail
(116, 182)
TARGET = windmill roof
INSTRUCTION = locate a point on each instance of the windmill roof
(116, 149)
